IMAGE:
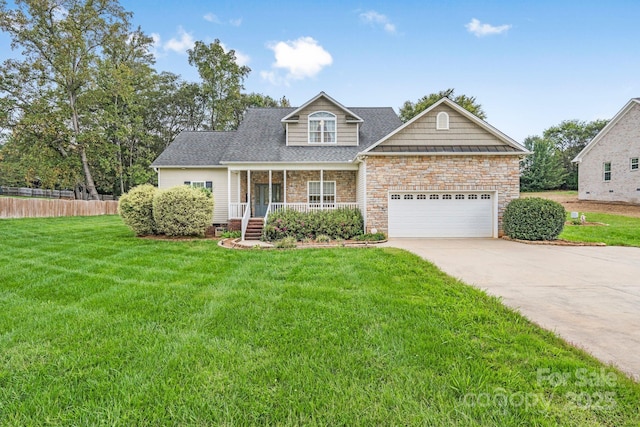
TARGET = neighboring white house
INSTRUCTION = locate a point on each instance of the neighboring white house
(445, 173)
(608, 167)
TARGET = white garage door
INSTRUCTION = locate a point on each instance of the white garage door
(451, 214)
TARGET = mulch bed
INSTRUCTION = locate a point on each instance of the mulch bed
(557, 242)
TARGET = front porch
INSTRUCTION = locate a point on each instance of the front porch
(254, 194)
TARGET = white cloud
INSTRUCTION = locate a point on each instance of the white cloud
(301, 58)
(374, 18)
(235, 22)
(211, 18)
(181, 44)
(241, 58)
(156, 46)
(479, 29)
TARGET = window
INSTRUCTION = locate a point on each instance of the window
(473, 197)
(485, 197)
(634, 164)
(408, 196)
(446, 197)
(200, 184)
(322, 128)
(395, 197)
(459, 196)
(421, 196)
(328, 192)
(434, 197)
(442, 121)
(606, 171)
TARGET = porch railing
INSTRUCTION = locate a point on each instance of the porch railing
(245, 221)
(237, 210)
(266, 214)
(310, 207)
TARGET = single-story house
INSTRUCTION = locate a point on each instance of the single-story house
(608, 167)
(445, 173)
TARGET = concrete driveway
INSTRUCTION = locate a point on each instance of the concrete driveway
(588, 295)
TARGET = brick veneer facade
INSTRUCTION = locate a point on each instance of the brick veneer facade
(438, 173)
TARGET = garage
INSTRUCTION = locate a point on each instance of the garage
(442, 214)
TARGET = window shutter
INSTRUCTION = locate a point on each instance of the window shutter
(187, 183)
(209, 185)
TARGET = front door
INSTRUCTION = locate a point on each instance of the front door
(262, 198)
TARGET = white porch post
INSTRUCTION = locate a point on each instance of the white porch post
(269, 185)
(321, 189)
(239, 187)
(249, 191)
(284, 180)
(228, 192)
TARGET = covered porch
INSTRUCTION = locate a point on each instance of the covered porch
(254, 191)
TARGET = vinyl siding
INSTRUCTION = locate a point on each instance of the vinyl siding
(462, 131)
(299, 132)
(168, 177)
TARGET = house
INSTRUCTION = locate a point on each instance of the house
(445, 173)
(608, 168)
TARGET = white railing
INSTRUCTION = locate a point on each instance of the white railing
(245, 221)
(237, 210)
(310, 207)
(266, 214)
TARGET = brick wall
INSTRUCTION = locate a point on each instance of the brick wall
(438, 173)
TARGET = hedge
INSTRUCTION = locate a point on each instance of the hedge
(136, 209)
(533, 218)
(183, 211)
(341, 223)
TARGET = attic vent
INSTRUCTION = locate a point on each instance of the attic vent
(442, 121)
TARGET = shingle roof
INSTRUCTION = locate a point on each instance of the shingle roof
(261, 138)
(444, 149)
(195, 148)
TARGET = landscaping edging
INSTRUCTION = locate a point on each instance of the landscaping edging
(557, 242)
(248, 244)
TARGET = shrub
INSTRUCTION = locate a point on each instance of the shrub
(371, 237)
(136, 209)
(182, 211)
(342, 223)
(533, 218)
(323, 238)
(286, 243)
(235, 234)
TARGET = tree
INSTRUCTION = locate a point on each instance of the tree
(222, 83)
(469, 103)
(543, 169)
(60, 41)
(569, 138)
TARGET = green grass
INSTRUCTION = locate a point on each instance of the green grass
(619, 231)
(98, 327)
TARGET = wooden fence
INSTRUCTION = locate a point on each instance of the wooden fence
(29, 208)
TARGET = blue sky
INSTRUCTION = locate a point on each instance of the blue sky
(531, 64)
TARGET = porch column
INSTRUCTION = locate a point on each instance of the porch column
(228, 192)
(284, 180)
(249, 191)
(321, 189)
(239, 187)
(269, 187)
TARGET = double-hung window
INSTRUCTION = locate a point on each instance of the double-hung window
(606, 171)
(328, 191)
(322, 128)
(634, 164)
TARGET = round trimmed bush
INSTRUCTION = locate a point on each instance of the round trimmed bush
(183, 211)
(136, 209)
(533, 218)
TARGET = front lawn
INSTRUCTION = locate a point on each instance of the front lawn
(619, 231)
(98, 327)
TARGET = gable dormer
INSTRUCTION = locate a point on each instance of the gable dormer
(322, 121)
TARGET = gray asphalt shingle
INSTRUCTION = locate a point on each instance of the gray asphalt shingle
(261, 138)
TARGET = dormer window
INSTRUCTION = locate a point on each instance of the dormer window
(442, 121)
(322, 128)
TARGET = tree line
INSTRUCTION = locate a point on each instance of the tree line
(83, 107)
